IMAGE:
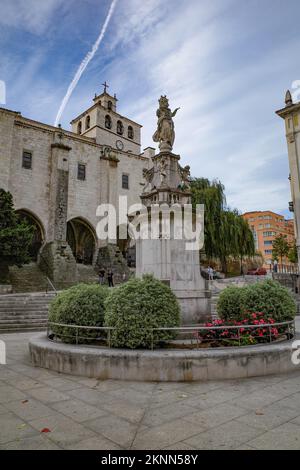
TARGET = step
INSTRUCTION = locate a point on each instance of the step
(16, 326)
(21, 306)
(17, 318)
(21, 329)
(23, 325)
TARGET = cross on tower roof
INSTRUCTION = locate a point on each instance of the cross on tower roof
(105, 86)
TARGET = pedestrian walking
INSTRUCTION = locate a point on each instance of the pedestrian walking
(110, 278)
(101, 276)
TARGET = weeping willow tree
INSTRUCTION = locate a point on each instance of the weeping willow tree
(226, 233)
(211, 194)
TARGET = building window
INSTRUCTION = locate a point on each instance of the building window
(81, 172)
(268, 242)
(109, 105)
(88, 122)
(267, 225)
(125, 181)
(27, 160)
(108, 122)
(120, 128)
(269, 234)
(79, 128)
(130, 132)
(268, 252)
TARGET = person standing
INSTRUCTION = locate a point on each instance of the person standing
(101, 276)
(110, 278)
(210, 272)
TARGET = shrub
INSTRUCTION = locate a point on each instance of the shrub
(268, 297)
(242, 336)
(272, 299)
(231, 302)
(136, 307)
(83, 305)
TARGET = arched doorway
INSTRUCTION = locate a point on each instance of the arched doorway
(39, 234)
(82, 240)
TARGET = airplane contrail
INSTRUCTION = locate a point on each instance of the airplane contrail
(85, 63)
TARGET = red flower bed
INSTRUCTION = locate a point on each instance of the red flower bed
(244, 335)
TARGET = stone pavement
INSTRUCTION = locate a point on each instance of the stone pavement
(80, 413)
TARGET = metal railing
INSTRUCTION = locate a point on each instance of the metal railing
(77, 336)
(288, 328)
(47, 278)
(51, 284)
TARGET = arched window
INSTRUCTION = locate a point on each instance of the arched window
(120, 128)
(109, 105)
(130, 132)
(108, 122)
(88, 122)
(79, 127)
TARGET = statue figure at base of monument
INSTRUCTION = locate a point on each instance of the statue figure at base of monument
(165, 133)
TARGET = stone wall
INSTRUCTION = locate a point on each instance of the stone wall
(31, 189)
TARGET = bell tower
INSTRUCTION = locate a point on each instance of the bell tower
(107, 127)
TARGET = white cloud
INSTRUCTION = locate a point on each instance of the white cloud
(197, 52)
(30, 15)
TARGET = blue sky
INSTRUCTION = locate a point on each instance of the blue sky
(226, 63)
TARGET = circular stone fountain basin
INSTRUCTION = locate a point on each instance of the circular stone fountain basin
(161, 364)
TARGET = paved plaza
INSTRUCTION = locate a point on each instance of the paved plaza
(40, 409)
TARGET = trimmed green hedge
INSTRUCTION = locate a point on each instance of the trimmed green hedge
(138, 306)
(268, 297)
(82, 305)
(231, 302)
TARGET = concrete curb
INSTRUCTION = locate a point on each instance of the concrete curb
(162, 365)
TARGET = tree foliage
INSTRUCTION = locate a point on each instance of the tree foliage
(15, 236)
(281, 247)
(226, 233)
(293, 254)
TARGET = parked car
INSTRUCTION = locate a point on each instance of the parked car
(257, 272)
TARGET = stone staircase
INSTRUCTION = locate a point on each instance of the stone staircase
(86, 274)
(24, 312)
(28, 278)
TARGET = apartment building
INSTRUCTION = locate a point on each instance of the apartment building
(266, 226)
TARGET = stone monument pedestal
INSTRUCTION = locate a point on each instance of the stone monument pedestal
(169, 261)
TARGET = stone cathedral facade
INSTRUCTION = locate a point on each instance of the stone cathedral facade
(58, 178)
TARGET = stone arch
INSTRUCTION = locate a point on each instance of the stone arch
(39, 233)
(108, 122)
(87, 122)
(130, 132)
(82, 239)
(120, 128)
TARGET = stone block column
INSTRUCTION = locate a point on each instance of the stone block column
(56, 257)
